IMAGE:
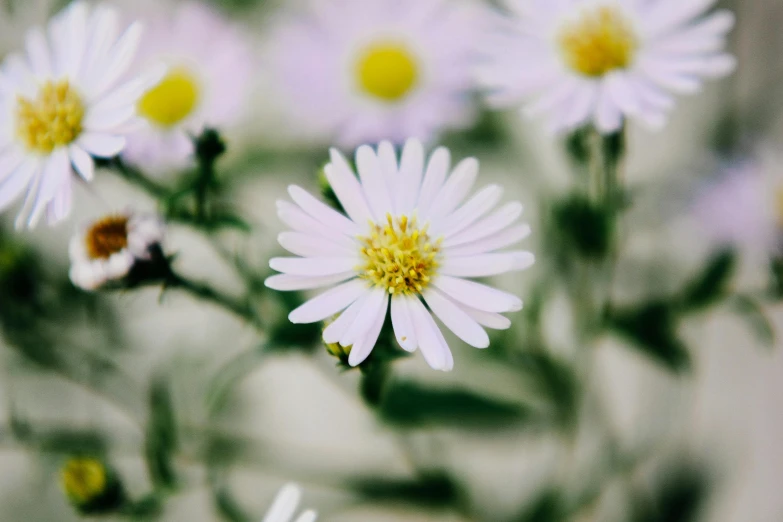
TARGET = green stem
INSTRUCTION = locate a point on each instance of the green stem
(202, 291)
(136, 177)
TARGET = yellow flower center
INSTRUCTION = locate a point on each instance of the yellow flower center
(53, 119)
(106, 237)
(172, 100)
(599, 41)
(83, 479)
(387, 71)
(399, 256)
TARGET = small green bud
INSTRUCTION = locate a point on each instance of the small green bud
(91, 486)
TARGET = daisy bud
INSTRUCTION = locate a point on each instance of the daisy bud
(91, 486)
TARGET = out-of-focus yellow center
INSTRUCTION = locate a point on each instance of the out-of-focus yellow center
(83, 479)
(172, 100)
(106, 237)
(599, 41)
(388, 71)
(53, 119)
(399, 256)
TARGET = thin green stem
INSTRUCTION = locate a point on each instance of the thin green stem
(238, 307)
(135, 177)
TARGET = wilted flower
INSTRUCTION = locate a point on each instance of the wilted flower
(284, 506)
(106, 250)
(209, 70)
(407, 236)
(61, 104)
(90, 486)
(600, 61)
(363, 71)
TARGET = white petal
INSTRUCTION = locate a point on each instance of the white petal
(375, 189)
(388, 158)
(308, 245)
(470, 212)
(477, 295)
(313, 266)
(487, 264)
(299, 220)
(362, 348)
(495, 222)
(101, 145)
(328, 303)
(347, 188)
(307, 516)
(337, 328)
(56, 173)
(456, 188)
(12, 186)
(107, 120)
(456, 319)
(437, 168)
(60, 206)
(497, 241)
(429, 337)
(411, 172)
(287, 282)
(122, 55)
(326, 215)
(82, 162)
(402, 322)
(487, 319)
(366, 316)
(38, 52)
(285, 504)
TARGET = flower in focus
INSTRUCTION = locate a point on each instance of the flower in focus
(107, 250)
(360, 71)
(63, 103)
(90, 486)
(601, 61)
(284, 506)
(743, 207)
(209, 69)
(409, 240)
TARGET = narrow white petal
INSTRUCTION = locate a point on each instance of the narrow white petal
(82, 162)
(307, 516)
(402, 322)
(337, 328)
(362, 348)
(38, 52)
(367, 315)
(107, 120)
(456, 188)
(477, 295)
(56, 173)
(429, 337)
(60, 206)
(497, 241)
(101, 145)
(323, 213)
(313, 266)
(437, 168)
(347, 188)
(487, 319)
(470, 212)
(309, 245)
(122, 55)
(495, 222)
(328, 303)
(388, 159)
(411, 172)
(373, 183)
(285, 504)
(288, 282)
(12, 186)
(487, 264)
(456, 319)
(299, 220)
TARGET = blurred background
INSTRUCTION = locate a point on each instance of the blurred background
(674, 417)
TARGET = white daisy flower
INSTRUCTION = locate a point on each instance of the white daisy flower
(601, 61)
(360, 71)
(407, 239)
(106, 250)
(61, 104)
(209, 70)
(284, 506)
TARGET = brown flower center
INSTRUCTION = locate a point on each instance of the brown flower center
(107, 236)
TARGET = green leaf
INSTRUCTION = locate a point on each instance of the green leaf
(678, 497)
(712, 283)
(753, 313)
(161, 441)
(431, 490)
(411, 404)
(652, 328)
(582, 227)
(546, 507)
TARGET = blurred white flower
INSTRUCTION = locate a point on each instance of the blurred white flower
(60, 104)
(106, 250)
(601, 61)
(743, 206)
(407, 235)
(359, 71)
(284, 506)
(209, 70)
